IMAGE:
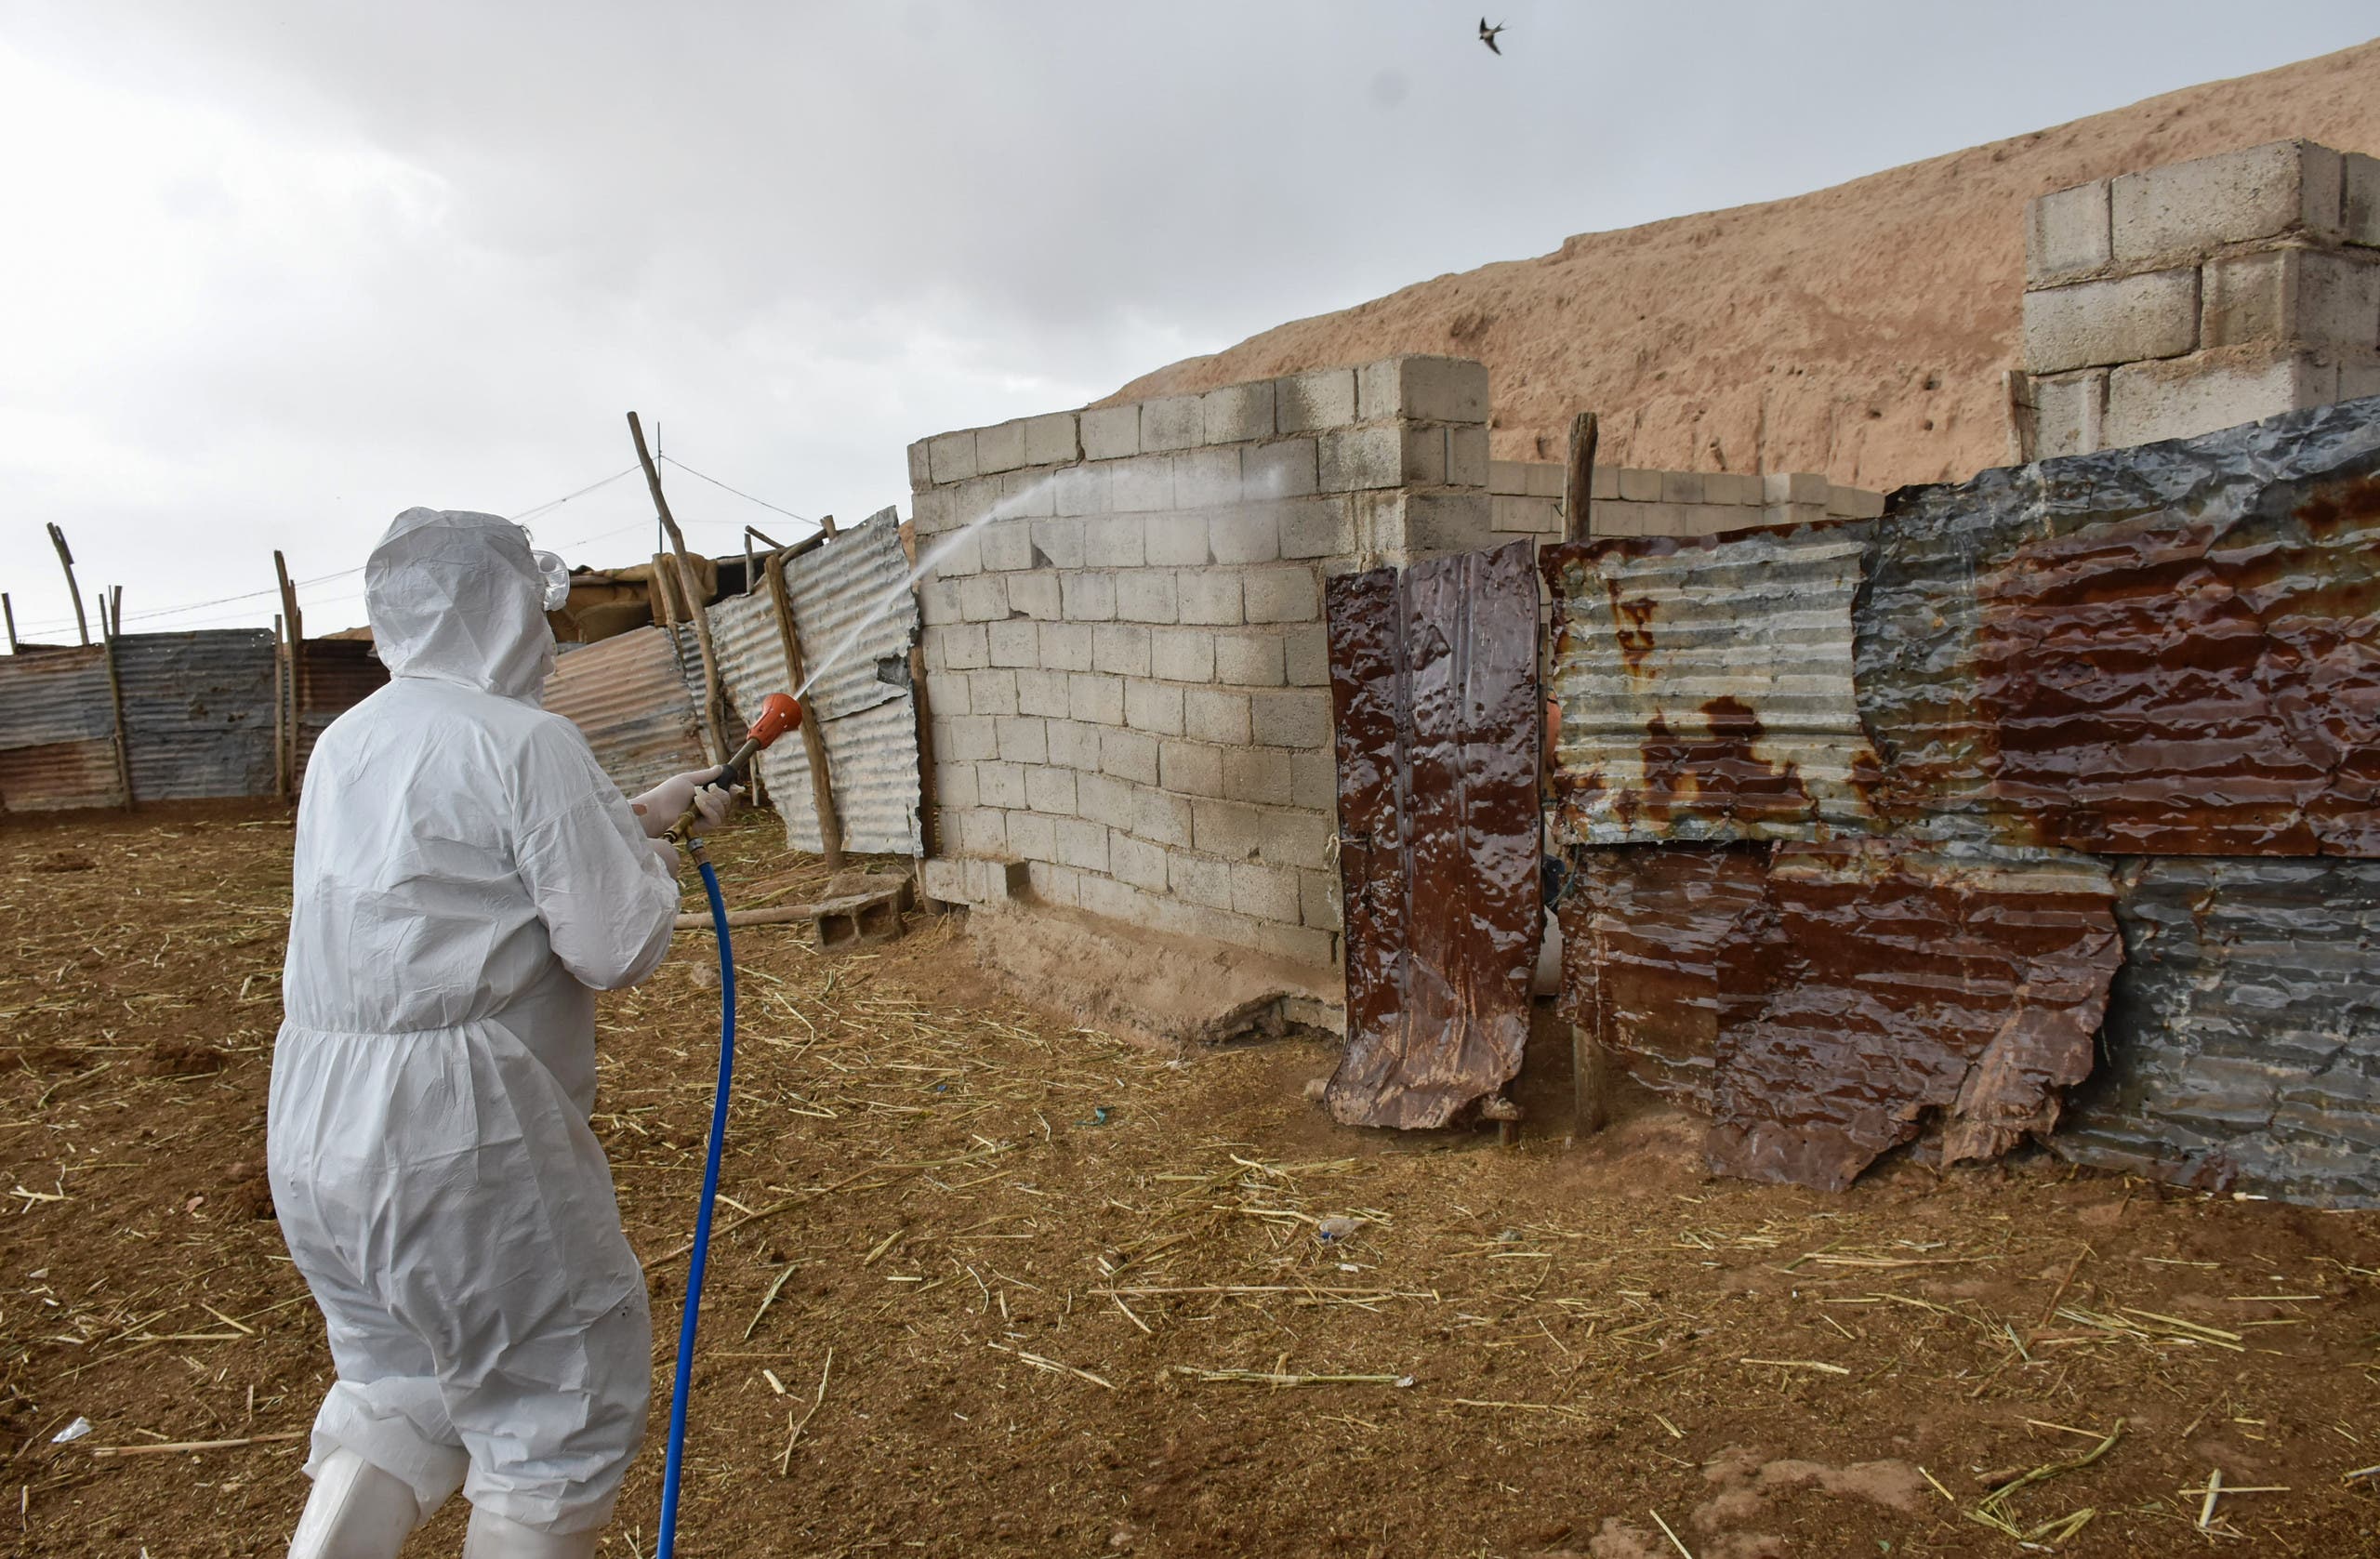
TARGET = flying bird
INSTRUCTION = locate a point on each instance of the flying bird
(1488, 35)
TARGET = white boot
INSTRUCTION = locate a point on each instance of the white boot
(356, 1511)
(495, 1537)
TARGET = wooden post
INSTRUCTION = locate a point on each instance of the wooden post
(295, 651)
(1590, 1093)
(280, 714)
(8, 610)
(927, 833)
(66, 561)
(1576, 494)
(711, 697)
(108, 625)
(814, 740)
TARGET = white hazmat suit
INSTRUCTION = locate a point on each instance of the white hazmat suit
(466, 881)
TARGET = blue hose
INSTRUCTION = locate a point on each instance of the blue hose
(679, 1389)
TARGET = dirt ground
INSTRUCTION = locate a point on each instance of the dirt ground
(994, 1283)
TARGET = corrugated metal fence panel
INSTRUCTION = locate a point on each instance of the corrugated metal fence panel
(625, 692)
(2242, 1037)
(339, 674)
(198, 709)
(751, 663)
(57, 731)
(2166, 649)
(1705, 687)
(1433, 685)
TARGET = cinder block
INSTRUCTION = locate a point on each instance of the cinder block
(1211, 596)
(1007, 544)
(1113, 541)
(1433, 388)
(1181, 654)
(1237, 413)
(1237, 831)
(1139, 484)
(1603, 482)
(1467, 456)
(1122, 648)
(983, 598)
(1116, 901)
(1214, 715)
(1258, 774)
(1028, 493)
(2292, 296)
(1300, 945)
(2359, 378)
(1325, 398)
(1425, 455)
(931, 509)
(1171, 422)
(1160, 817)
(1054, 884)
(944, 880)
(1145, 595)
(2149, 402)
(1137, 862)
(1058, 543)
(1249, 535)
(1073, 744)
(1111, 432)
(2067, 234)
(1456, 521)
(1305, 654)
(1681, 487)
(1022, 739)
(1081, 489)
(1044, 692)
(1730, 487)
(1065, 646)
(1034, 594)
(1199, 879)
(1318, 899)
(1082, 844)
(1050, 790)
(991, 692)
(1175, 540)
(993, 881)
(1281, 595)
(1266, 892)
(1016, 641)
(1104, 799)
(2360, 198)
(1000, 784)
(2180, 211)
(984, 831)
(954, 783)
(1509, 478)
(1284, 469)
(999, 448)
(920, 477)
(1128, 755)
(951, 457)
(1190, 768)
(1032, 836)
(1353, 459)
(1097, 698)
(949, 692)
(2093, 325)
(1856, 503)
(1251, 657)
(1053, 439)
(1314, 782)
(1640, 486)
(1205, 478)
(1089, 596)
(1297, 718)
(1316, 528)
(1154, 706)
(1795, 487)
(962, 648)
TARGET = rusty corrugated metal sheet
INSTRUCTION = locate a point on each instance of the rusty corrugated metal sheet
(198, 713)
(2165, 650)
(1826, 1002)
(339, 674)
(56, 732)
(1705, 687)
(2243, 1036)
(1433, 686)
(625, 692)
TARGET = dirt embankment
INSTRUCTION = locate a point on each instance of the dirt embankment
(1860, 331)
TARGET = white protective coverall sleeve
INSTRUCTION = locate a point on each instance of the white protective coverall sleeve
(465, 878)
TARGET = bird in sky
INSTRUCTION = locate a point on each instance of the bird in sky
(1487, 36)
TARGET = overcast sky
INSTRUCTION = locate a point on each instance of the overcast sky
(273, 272)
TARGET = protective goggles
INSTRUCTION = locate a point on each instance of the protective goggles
(553, 570)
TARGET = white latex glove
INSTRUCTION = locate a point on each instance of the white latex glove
(669, 856)
(666, 802)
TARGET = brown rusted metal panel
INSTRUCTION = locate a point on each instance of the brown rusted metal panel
(57, 731)
(1433, 685)
(626, 694)
(338, 674)
(59, 776)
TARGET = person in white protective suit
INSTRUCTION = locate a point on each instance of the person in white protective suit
(466, 881)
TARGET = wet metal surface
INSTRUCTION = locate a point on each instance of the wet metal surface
(625, 695)
(198, 711)
(56, 732)
(2242, 1037)
(1705, 687)
(1433, 685)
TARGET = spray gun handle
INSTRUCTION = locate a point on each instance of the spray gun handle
(779, 714)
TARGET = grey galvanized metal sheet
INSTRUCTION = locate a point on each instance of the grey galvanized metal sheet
(751, 665)
(2172, 649)
(56, 732)
(198, 713)
(1436, 712)
(1705, 687)
(2241, 1047)
(625, 692)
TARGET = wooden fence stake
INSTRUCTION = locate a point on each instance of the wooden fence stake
(296, 653)
(814, 740)
(712, 699)
(280, 714)
(66, 561)
(1577, 488)
(8, 610)
(109, 622)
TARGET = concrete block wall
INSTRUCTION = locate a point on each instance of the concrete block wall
(1124, 658)
(2182, 300)
(1525, 499)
